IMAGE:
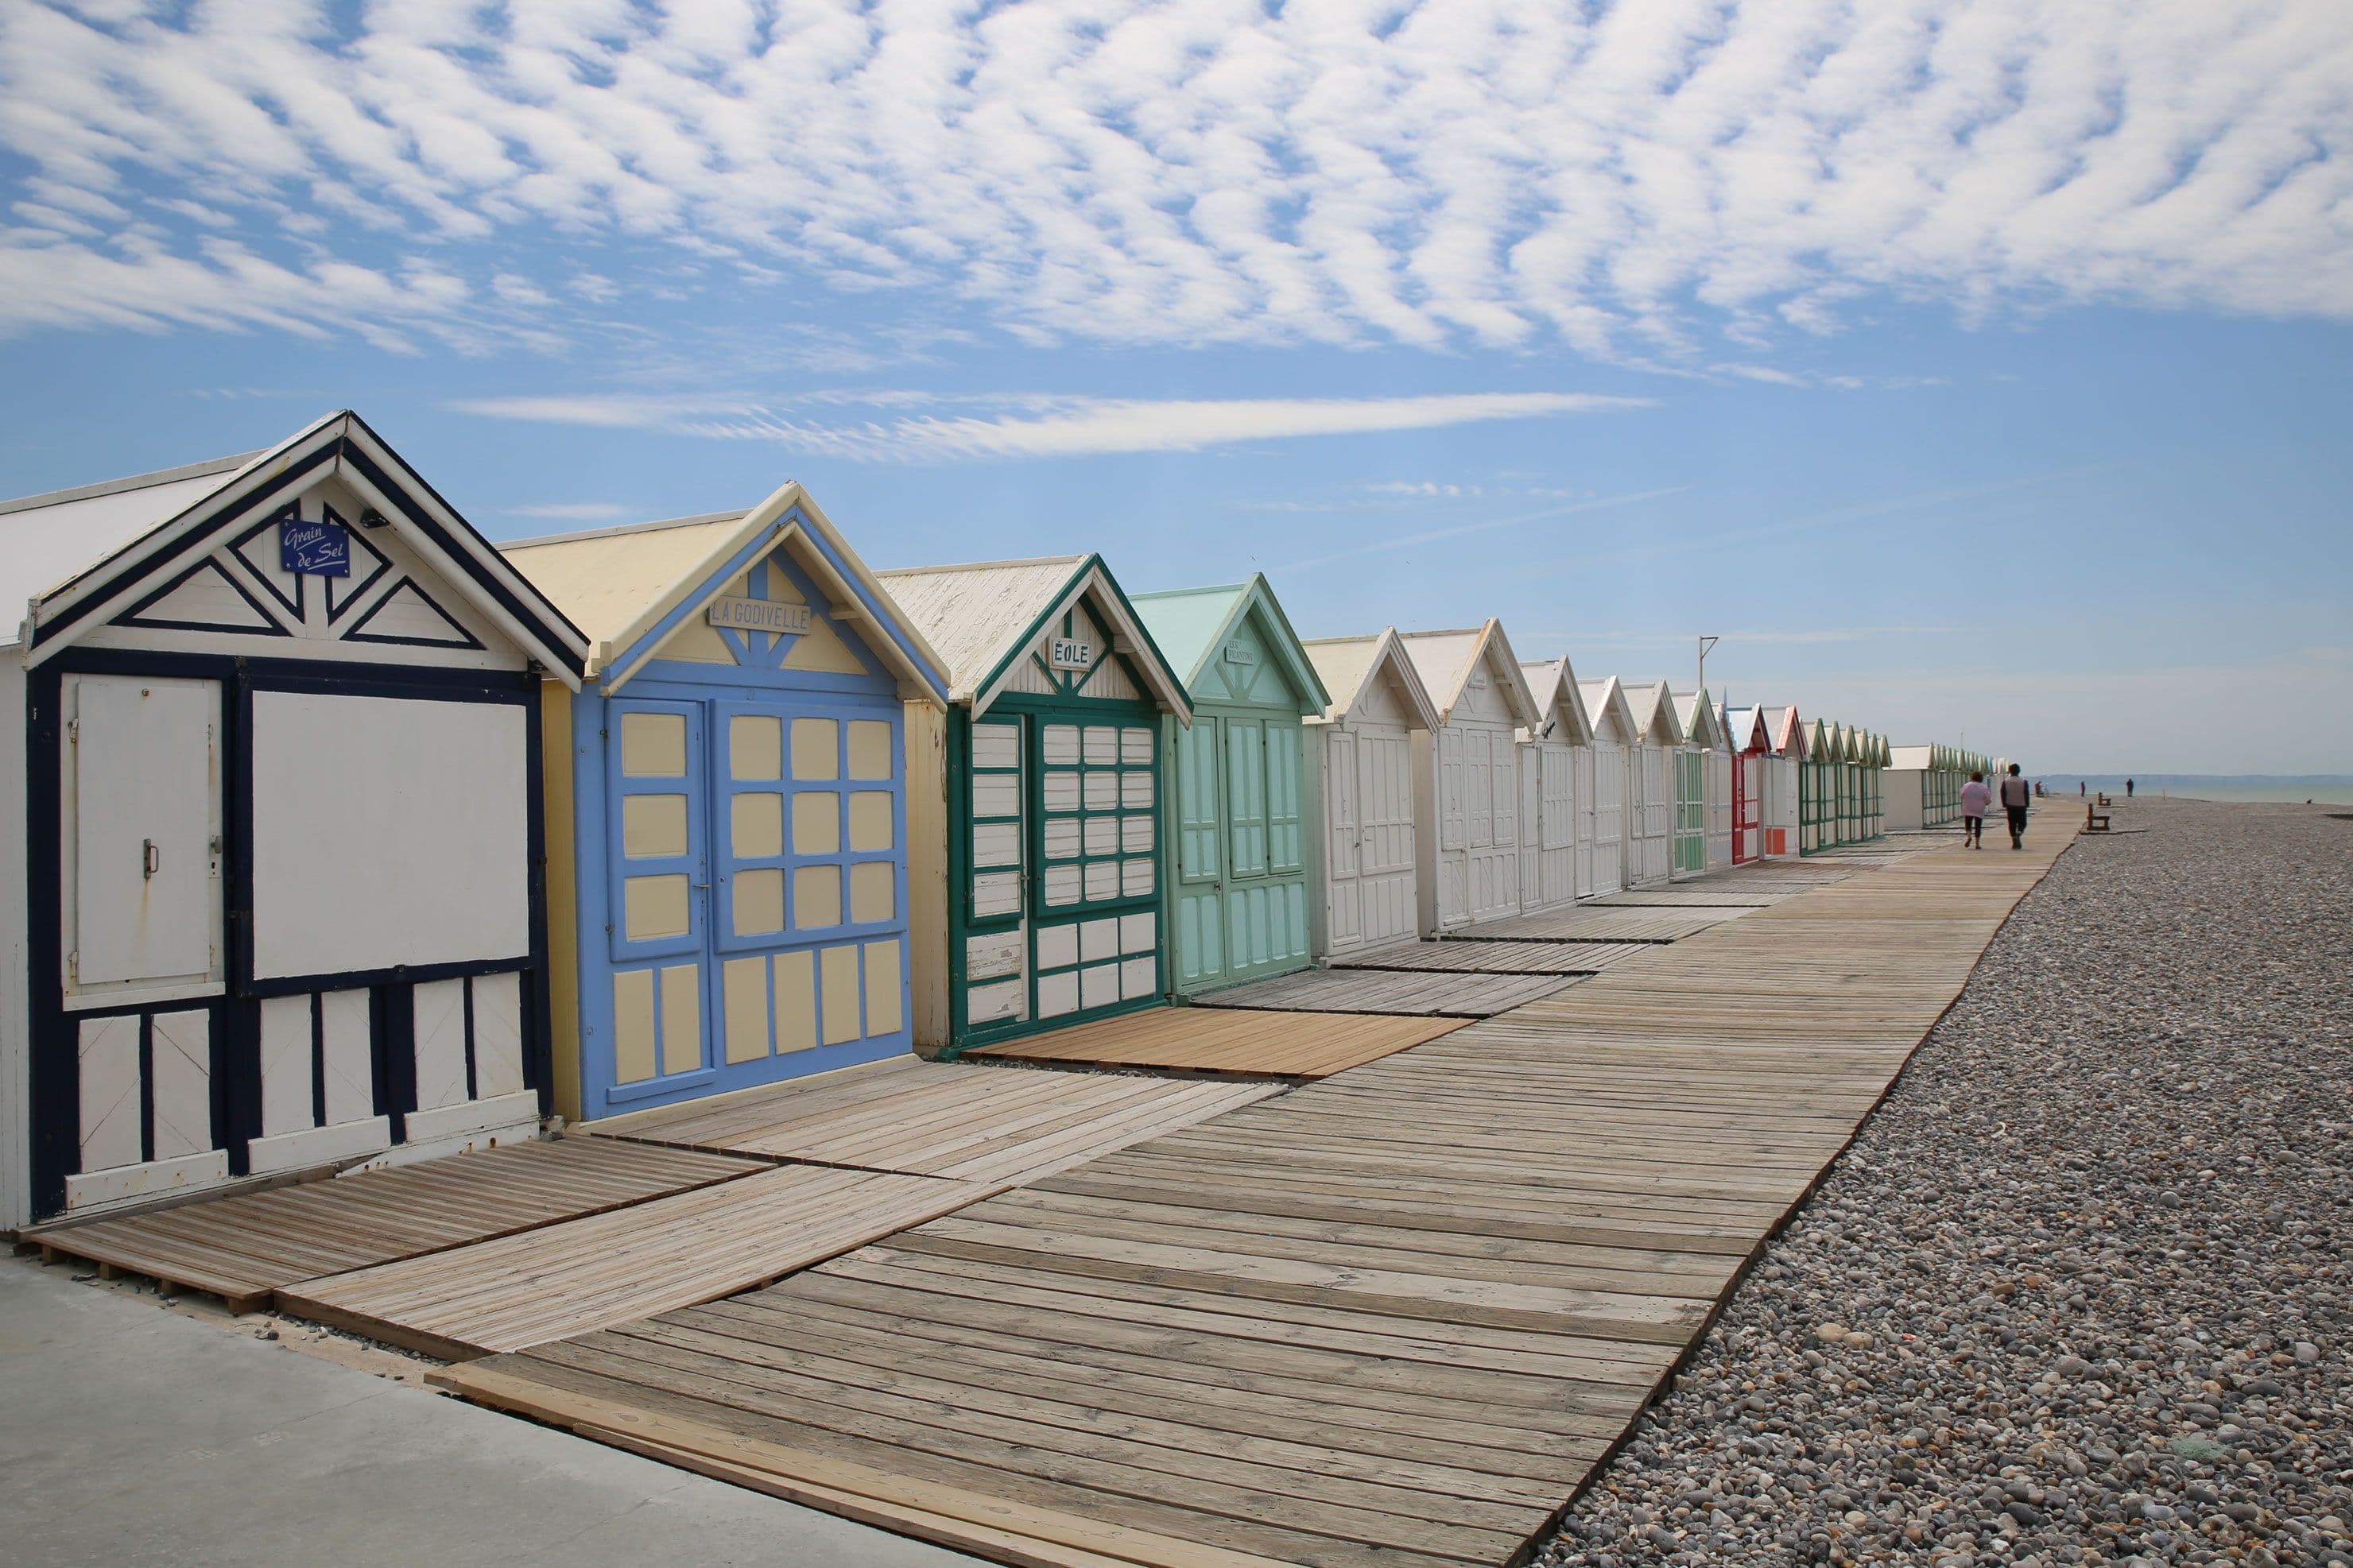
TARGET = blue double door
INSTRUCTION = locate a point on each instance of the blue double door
(757, 894)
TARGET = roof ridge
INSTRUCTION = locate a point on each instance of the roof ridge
(620, 527)
(979, 565)
(130, 482)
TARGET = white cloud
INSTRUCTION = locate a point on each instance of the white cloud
(1631, 180)
(1038, 427)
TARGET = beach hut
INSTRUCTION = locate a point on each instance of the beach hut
(1556, 864)
(1466, 774)
(1651, 784)
(1783, 771)
(730, 794)
(1239, 860)
(1601, 788)
(1036, 895)
(1703, 786)
(269, 840)
(1911, 786)
(1876, 786)
(1751, 745)
(1361, 756)
(1817, 792)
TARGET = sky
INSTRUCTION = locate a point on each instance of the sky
(1979, 373)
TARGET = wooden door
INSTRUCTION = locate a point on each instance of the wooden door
(1610, 819)
(1385, 877)
(1200, 935)
(141, 837)
(1585, 783)
(1529, 759)
(1344, 847)
(1093, 943)
(1554, 830)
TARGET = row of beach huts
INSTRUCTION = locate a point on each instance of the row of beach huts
(336, 834)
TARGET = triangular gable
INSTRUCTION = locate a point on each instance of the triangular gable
(1558, 700)
(742, 559)
(133, 580)
(1700, 725)
(1447, 674)
(1608, 715)
(1653, 707)
(1231, 643)
(1353, 668)
(1745, 729)
(1790, 737)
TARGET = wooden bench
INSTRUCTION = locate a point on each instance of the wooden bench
(2095, 819)
(2105, 801)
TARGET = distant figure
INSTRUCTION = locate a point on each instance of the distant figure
(1975, 798)
(2079, 789)
(2014, 800)
(2127, 789)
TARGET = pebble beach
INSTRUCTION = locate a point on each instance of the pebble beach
(2078, 1293)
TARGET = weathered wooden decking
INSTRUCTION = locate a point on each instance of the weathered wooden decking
(976, 1123)
(1471, 957)
(1591, 923)
(243, 1248)
(1230, 1041)
(1395, 1316)
(1410, 993)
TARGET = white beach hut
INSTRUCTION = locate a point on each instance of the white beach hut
(1555, 864)
(274, 759)
(1601, 788)
(1786, 731)
(1651, 784)
(1466, 774)
(1360, 754)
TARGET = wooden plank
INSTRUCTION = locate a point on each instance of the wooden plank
(1586, 922)
(242, 1248)
(586, 1274)
(1232, 1041)
(1420, 993)
(1499, 957)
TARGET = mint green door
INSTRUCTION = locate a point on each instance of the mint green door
(1691, 812)
(1241, 882)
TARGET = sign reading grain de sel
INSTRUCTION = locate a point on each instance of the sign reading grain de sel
(314, 549)
(760, 615)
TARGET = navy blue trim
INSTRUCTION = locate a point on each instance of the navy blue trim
(467, 993)
(318, 1060)
(341, 603)
(54, 1062)
(270, 628)
(236, 1037)
(146, 1087)
(297, 606)
(359, 632)
(393, 1013)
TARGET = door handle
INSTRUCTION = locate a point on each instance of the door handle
(151, 859)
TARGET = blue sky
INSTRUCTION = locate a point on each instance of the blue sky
(1970, 370)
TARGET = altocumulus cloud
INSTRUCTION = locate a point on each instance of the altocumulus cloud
(1628, 180)
(1039, 427)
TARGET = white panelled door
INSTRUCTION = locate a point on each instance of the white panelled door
(1368, 798)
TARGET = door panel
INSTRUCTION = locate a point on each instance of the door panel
(1385, 776)
(1245, 795)
(142, 834)
(1344, 925)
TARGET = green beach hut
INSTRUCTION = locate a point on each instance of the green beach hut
(1238, 859)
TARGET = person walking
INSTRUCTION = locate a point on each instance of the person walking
(1975, 798)
(2128, 786)
(2014, 800)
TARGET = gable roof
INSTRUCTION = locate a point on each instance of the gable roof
(1604, 697)
(1193, 625)
(1349, 667)
(980, 616)
(1653, 706)
(630, 588)
(1787, 731)
(1744, 729)
(1446, 661)
(1555, 687)
(106, 539)
(1697, 716)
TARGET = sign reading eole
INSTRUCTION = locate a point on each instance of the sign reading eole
(1069, 653)
(761, 615)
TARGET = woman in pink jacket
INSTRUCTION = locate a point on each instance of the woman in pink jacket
(1975, 798)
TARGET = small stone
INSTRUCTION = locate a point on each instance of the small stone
(1830, 1334)
(2306, 1352)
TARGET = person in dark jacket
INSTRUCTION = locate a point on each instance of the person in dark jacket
(2014, 797)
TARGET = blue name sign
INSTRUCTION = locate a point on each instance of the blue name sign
(316, 549)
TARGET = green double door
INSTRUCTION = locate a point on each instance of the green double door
(1238, 877)
(1691, 812)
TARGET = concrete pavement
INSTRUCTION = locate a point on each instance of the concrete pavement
(130, 1435)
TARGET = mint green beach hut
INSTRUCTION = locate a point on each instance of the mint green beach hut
(1239, 860)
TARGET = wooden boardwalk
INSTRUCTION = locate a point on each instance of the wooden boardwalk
(972, 1123)
(1412, 994)
(243, 1248)
(1229, 1041)
(588, 1274)
(1394, 1318)
(1473, 956)
(1591, 923)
